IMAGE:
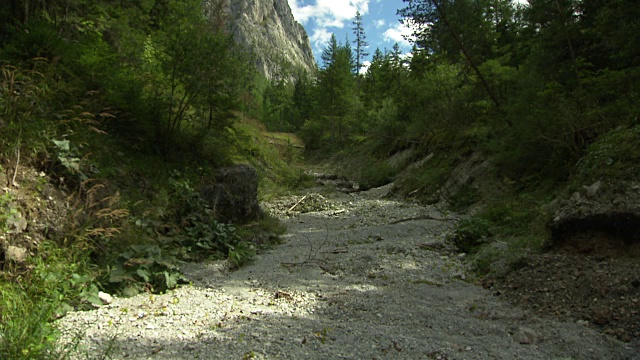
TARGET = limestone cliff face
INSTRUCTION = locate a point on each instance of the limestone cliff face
(269, 29)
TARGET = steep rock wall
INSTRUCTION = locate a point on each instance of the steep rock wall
(269, 29)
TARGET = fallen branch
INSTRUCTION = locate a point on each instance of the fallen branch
(15, 172)
(298, 203)
(423, 217)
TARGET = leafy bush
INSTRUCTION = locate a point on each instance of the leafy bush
(613, 156)
(466, 196)
(376, 174)
(471, 234)
(143, 268)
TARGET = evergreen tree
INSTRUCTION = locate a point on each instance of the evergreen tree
(337, 87)
(360, 42)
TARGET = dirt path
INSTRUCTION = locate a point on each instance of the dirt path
(362, 278)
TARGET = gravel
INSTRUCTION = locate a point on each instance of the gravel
(358, 277)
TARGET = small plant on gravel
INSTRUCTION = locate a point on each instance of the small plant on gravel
(323, 335)
(8, 211)
(471, 234)
(143, 268)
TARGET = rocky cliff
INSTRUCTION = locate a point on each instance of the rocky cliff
(269, 29)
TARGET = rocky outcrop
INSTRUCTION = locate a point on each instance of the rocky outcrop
(612, 208)
(234, 196)
(269, 29)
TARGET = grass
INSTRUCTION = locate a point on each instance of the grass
(274, 155)
(33, 294)
(614, 156)
(425, 179)
(26, 329)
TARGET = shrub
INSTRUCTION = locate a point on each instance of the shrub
(377, 174)
(471, 234)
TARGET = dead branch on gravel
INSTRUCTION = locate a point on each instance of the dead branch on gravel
(298, 203)
(312, 256)
(423, 217)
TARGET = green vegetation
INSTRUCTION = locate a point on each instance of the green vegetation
(546, 91)
(128, 107)
(122, 110)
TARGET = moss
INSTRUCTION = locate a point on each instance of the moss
(614, 156)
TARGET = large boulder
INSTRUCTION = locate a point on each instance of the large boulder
(234, 196)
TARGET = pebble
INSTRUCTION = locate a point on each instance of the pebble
(105, 298)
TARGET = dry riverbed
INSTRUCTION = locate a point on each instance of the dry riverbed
(358, 277)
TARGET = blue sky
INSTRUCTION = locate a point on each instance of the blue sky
(321, 18)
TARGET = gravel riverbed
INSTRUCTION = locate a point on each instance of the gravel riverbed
(358, 277)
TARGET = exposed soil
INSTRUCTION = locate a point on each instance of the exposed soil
(589, 278)
(35, 210)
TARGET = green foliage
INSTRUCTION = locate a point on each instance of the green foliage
(336, 92)
(375, 174)
(90, 93)
(439, 101)
(202, 234)
(55, 281)
(465, 197)
(360, 42)
(383, 127)
(425, 179)
(26, 331)
(23, 106)
(278, 107)
(471, 234)
(500, 258)
(614, 156)
(143, 268)
(8, 212)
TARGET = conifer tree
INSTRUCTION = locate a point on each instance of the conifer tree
(360, 42)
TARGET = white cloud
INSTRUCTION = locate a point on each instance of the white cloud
(328, 13)
(320, 37)
(301, 13)
(399, 33)
(379, 23)
(365, 67)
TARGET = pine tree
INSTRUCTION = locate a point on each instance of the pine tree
(360, 41)
(336, 82)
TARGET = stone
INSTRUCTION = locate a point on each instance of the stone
(15, 254)
(525, 336)
(234, 196)
(105, 298)
(592, 191)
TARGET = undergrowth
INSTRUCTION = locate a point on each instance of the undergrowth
(132, 214)
(49, 284)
